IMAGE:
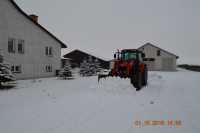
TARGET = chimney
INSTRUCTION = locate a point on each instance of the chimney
(34, 17)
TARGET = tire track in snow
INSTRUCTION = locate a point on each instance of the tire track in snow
(155, 86)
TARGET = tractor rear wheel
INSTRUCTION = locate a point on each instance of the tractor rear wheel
(138, 84)
(145, 77)
(137, 81)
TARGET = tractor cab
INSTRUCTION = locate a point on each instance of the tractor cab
(126, 62)
(129, 54)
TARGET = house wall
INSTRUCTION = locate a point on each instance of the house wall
(165, 61)
(14, 25)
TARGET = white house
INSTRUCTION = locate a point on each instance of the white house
(158, 59)
(30, 49)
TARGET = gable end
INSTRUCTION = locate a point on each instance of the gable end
(37, 24)
(159, 49)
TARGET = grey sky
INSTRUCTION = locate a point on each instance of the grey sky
(102, 26)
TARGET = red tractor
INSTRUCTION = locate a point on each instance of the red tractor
(129, 64)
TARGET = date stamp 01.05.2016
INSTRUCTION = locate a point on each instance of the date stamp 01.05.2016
(145, 123)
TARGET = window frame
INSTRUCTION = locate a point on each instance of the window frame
(22, 43)
(12, 68)
(15, 67)
(46, 51)
(158, 52)
(13, 49)
(149, 59)
(49, 51)
(129, 55)
(49, 68)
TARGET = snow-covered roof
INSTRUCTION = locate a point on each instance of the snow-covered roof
(66, 58)
(89, 53)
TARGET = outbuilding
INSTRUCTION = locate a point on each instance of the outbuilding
(77, 57)
(158, 59)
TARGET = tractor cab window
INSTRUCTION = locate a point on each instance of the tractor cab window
(129, 55)
(133, 56)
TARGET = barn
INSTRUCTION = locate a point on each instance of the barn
(158, 59)
(77, 57)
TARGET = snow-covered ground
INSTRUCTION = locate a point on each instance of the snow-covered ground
(112, 106)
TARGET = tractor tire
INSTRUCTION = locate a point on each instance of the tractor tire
(138, 82)
(132, 80)
(145, 77)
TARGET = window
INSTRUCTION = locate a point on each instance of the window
(16, 69)
(21, 46)
(49, 68)
(129, 55)
(1, 58)
(12, 68)
(158, 52)
(149, 59)
(49, 51)
(11, 45)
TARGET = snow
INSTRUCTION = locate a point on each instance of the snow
(83, 105)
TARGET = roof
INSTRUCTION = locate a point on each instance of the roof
(158, 48)
(63, 58)
(87, 53)
(37, 24)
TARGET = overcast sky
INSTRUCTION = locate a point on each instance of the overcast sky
(102, 26)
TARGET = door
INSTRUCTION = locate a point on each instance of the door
(167, 64)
